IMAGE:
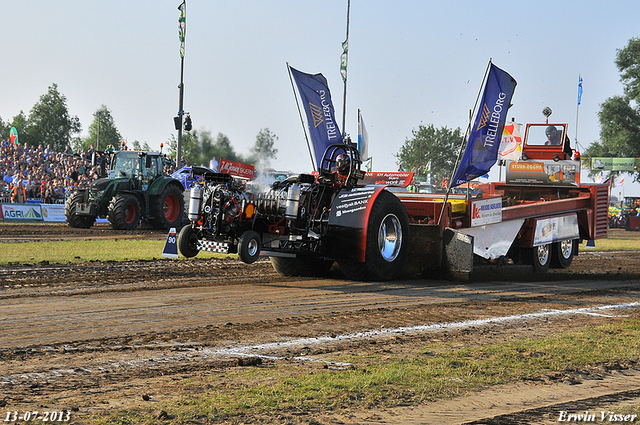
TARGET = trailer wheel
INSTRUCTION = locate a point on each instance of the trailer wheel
(304, 267)
(387, 242)
(124, 212)
(563, 253)
(540, 257)
(188, 242)
(249, 246)
(75, 220)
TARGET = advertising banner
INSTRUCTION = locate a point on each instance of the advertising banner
(53, 212)
(486, 211)
(22, 212)
(615, 164)
(317, 104)
(392, 178)
(486, 134)
(237, 169)
(556, 229)
(543, 172)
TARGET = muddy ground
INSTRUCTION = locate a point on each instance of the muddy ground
(98, 337)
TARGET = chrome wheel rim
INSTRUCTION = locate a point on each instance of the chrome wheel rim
(566, 247)
(390, 237)
(252, 247)
(543, 254)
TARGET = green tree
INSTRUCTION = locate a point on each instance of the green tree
(50, 123)
(437, 147)
(222, 149)
(263, 151)
(620, 115)
(189, 147)
(5, 128)
(141, 147)
(103, 124)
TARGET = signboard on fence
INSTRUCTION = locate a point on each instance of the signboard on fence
(53, 212)
(22, 212)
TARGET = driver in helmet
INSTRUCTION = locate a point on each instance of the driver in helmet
(343, 164)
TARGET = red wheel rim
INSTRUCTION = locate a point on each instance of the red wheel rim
(129, 213)
(171, 208)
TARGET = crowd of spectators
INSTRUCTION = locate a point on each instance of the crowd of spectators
(39, 173)
(42, 174)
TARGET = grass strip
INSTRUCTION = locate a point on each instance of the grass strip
(137, 249)
(435, 372)
(86, 250)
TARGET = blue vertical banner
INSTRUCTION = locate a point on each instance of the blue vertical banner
(579, 89)
(485, 136)
(316, 100)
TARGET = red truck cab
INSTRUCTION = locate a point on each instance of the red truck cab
(546, 141)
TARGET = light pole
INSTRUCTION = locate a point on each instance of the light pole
(182, 32)
(98, 114)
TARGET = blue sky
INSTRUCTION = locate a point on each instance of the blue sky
(410, 63)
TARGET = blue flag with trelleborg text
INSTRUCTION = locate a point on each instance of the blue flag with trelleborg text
(485, 136)
(316, 100)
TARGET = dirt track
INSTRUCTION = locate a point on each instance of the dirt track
(97, 336)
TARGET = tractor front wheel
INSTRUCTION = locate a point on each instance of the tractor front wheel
(249, 246)
(124, 212)
(75, 220)
(188, 242)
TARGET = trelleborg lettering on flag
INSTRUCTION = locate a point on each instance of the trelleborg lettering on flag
(485, 136)
(316, 100)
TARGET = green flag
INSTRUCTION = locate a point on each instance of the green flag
(13, 135)
(182, 26)
(343, 60)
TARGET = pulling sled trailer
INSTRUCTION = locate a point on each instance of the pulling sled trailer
(536, 217)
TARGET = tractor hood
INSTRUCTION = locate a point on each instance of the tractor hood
(100, 184)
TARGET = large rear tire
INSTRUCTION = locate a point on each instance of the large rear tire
(188, 242)
(387, 242)
(169, 208)
(563, 253)
(124, 212)
(75, 220)
(303, 267)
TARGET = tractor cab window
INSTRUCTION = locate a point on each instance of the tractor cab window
(153, 167)
(545, 135)
(125, 164)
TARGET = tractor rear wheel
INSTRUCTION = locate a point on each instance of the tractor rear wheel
(124, 212)
(387, 243)
(75, 220)
(169, 208)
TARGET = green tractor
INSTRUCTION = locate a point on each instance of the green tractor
(134, 189)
